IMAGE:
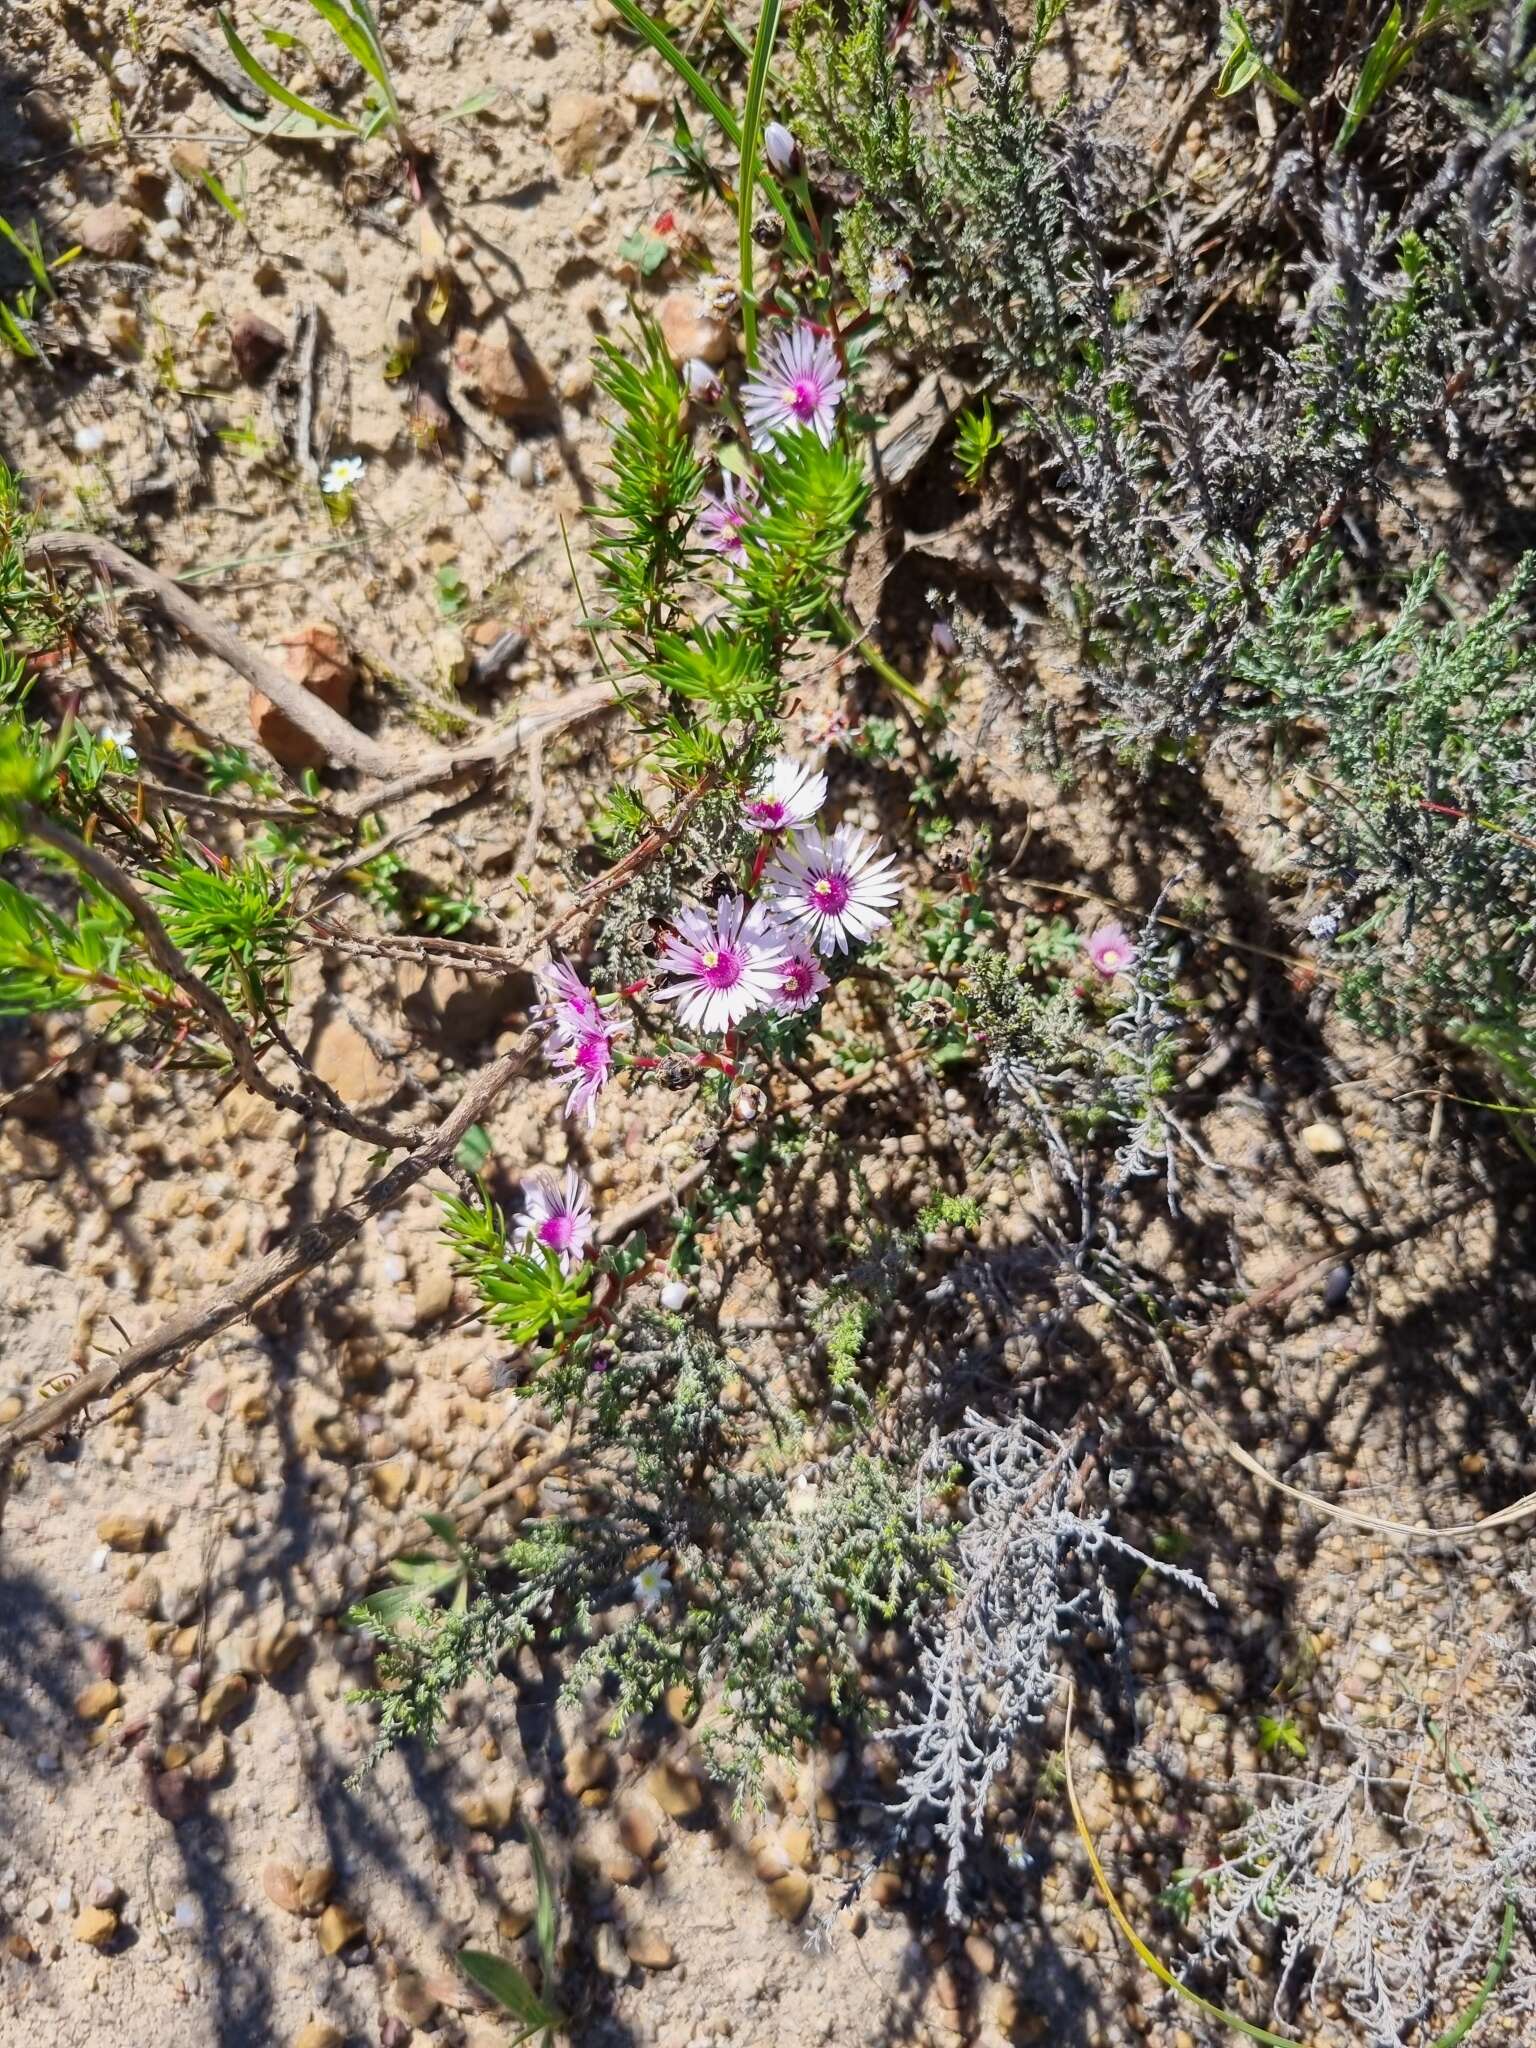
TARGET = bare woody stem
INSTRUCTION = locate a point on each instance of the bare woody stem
(279, 1268)
(342, 741)
(167, 956)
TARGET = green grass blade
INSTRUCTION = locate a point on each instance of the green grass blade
(274, 88)
(30, 249)
(359, 39)
(653, 33)
(1385, 58)
(11, 328)
(511, 1990)
(546, 1926)
(751, 165)
(217, 190)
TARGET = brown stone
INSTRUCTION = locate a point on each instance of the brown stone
(982, 1954)
(639, 1833)
(790, 1894)
(46, 117)
(414, 2000)
(344, 1059)
(690, 331)
(96, 1926)
(337, 1927)
(319, 2034)
(508, 378)
(110, 232)
(885, 1888)
(95, 1702)
(795, 1839)
(388, 1483)
(584, 129)
(280, 1882)
(189, 160)
(255, 344)
(277, 1648)
(586, 1766)
(222, 1698)
(210, 1762)
(651, 1951)
(315, 1881)
(677, 1792)
(126, 1532)
(489, 1808)
(317, 659)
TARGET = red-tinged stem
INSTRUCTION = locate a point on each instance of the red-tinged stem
(760, 859)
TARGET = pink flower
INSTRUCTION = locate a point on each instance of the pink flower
(802, 980)
(832, 890)
(797, 384)
(587, 1056)
(556, 1218)
(569, 1006)
(729, 963)
(787, 794)
(1111, 951)
(723, 521)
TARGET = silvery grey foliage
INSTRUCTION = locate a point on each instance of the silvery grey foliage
(1388, 1880)
(1032, 1572)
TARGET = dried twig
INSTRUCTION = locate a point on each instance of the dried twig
(278, 1269)
(343, 742)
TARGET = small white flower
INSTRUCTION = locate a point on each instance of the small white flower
(120, 737)
(703, 383)
(781, 149)
(786, 795)
(90, 440)
(341, 476)
(674, 1296)
(651, 1584)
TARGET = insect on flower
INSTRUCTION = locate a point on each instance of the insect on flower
(802, 980)
(799, 383)
(1111, 951)
(651, 1584)
(556, 1217)
(341, 476)
(787, 794)
(588, 1058)
(723, 522)
(833, 891)
(729, 964)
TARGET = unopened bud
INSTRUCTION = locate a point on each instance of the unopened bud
(747, 1103)
(674, 1295)
(781, 149)
(703, 383)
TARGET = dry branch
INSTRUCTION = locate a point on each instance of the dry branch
(279, 1268)
(342, 741)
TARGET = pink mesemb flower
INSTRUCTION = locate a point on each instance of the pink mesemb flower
(1111, 950)
(723, 522)
(833, 891)
(797, 384)
(802, 980)
(786, 795)
(729, 964)
(569, 1006)
(587, 1056)
(556, 1217)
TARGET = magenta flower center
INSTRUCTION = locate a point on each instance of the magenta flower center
(830, 894)
(797, 978)
(722, 969)
(558, 1230)
(804, 397)
(592, 1054)
(768, 812)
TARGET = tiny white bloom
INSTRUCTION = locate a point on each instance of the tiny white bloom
(887, 277)
(781, 149)
(674, 1295)
(90, 440)
(120, 737)
(342, 475)
(651, 1584)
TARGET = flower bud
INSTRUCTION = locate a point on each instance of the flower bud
(674, 1295)
(747, 1103)
(704, 386)
(781, 149)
